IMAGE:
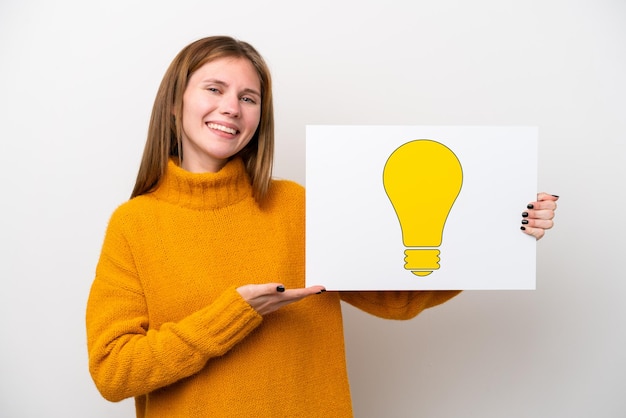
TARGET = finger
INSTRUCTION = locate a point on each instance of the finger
(253, 291)
(538, 233)
(538, 214)
(270, 288)
(300, 293)
(544, 201)
(544, 204)
(277, 300)
(545, 196)
(538, 223)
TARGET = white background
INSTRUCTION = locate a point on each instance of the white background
(353, 235)
(77, 81)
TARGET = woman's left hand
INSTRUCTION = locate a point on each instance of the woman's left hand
(539, 215)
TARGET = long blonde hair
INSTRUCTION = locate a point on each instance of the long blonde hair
(165, 129)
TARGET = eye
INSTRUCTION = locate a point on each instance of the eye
(247, 99)
(213, 89)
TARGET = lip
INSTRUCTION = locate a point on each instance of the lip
(223, 127)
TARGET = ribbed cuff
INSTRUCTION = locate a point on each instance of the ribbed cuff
(221, 325)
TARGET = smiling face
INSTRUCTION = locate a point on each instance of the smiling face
(221, 112)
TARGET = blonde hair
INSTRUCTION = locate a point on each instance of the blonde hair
(165, 129)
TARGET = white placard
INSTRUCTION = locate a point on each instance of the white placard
(369, 186)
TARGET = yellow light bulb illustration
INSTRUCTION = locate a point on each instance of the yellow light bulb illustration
(422, 179)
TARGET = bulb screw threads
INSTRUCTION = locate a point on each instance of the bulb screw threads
(421, 262)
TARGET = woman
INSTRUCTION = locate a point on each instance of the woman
(183, 314)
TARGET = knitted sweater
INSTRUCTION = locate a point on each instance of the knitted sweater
(165, 324)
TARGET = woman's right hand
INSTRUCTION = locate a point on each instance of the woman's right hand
(269, 297)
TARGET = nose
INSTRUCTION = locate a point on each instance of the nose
(230, 105)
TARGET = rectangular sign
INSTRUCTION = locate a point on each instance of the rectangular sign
(419, 207)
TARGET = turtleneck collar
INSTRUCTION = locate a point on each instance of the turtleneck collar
(205, 191)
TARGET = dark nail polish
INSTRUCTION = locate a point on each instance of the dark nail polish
(280, 288)
(525, 214)
(525, 221)
(523, 228)
(555, 195)
(530, 206)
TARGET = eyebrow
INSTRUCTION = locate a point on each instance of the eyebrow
(225, 84)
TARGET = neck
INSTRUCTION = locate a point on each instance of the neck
(204, 191)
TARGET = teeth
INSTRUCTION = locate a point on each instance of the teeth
(222, 128)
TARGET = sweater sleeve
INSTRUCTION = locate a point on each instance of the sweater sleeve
(397, 304)
(126, 357)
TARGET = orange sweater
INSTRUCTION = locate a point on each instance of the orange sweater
(165, 324)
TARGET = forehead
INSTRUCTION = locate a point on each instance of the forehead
(229, 70)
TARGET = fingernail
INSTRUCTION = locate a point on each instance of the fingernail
(554, 195)
(280, 288)
(530, 206)
(525, 221)
(524, 214)
(523, 228)
(320, 292)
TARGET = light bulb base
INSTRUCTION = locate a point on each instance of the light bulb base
(421, 261)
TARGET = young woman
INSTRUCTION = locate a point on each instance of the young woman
(192, 308)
